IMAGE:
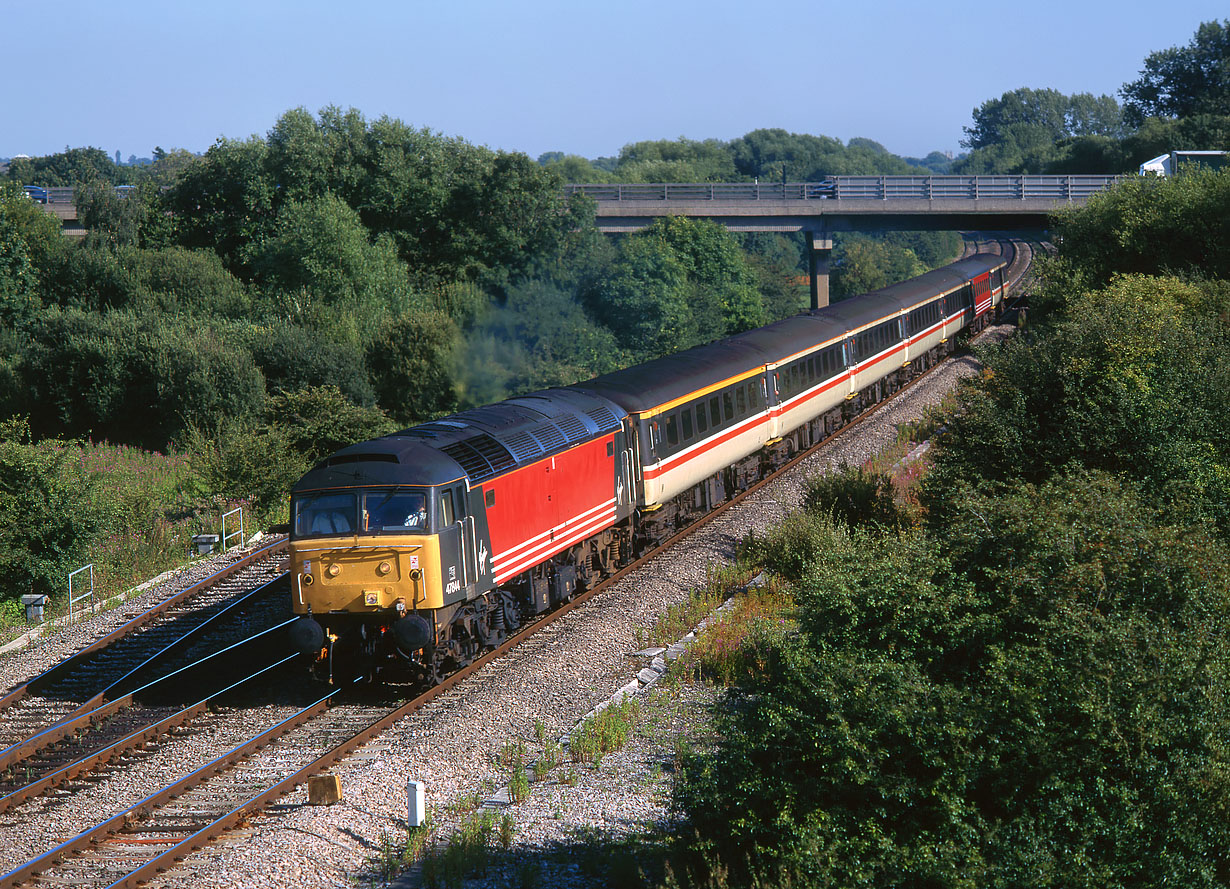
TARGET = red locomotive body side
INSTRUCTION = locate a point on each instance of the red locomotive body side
(547, 506)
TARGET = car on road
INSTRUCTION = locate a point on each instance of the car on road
(825, 188)
(35, 193)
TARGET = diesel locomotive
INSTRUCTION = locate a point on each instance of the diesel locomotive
(427, 546)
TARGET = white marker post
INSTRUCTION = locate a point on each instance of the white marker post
(416, 809)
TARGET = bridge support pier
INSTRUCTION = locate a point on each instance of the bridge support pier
(819, 250)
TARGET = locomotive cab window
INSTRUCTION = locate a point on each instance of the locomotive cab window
(394, 511)
(446, 508)
(324, 513)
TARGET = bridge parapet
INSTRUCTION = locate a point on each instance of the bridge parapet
(859, 188)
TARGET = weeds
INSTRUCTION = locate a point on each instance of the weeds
(518, 783)
(739, 643)
(547, 760)
(604, 732)
(508, 830)
(678, 620)
(467, 852)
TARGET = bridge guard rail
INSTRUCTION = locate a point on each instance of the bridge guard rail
(860, 188)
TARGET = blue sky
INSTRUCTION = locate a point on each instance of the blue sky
(546, 75)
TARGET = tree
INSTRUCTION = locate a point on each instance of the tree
(1028, 695)
(1129, 381)
(28, 238)
(644, 301)
(540, 337)
(1184, 81)
(72, 166)
(133, 377)
(573, 168)
(412, 363)
(679, 160)
(862, 264)
(321, 247)
(1046, 111)
(225, 200)
(111, 220)
(1020, 131)
(1151, 226)
(292, 358)
(300, 159)
(320, 420)
(717, 272)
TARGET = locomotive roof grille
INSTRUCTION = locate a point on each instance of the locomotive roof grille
(604, 417)
(574, 430)
(481, 456)
(549, 436)
(523, 446)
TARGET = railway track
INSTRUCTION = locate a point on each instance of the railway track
(96, 685)
(187, 814)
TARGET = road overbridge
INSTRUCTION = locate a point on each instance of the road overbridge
(848, 203)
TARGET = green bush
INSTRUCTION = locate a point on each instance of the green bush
(49, 512)
(292, 358)
(855, 498)
(133, 378)
(1034, 698)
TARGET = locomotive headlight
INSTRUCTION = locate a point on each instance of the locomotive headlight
(384, 568)
(333, 570)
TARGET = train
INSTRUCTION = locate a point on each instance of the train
(418, 551)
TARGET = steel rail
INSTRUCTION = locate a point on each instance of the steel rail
(99, 707)
(118, 822)
(141, 736)
(17, 693)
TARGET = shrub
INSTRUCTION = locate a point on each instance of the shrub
(855, 498)
(49, 512)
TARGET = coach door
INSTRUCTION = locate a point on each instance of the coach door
(627, 474)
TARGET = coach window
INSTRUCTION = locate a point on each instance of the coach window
(728, 406)
(686, 416)
(740, 402)
(811, 369)
(715, 412)
(753, 394)
(701, 424)
(672, 430)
